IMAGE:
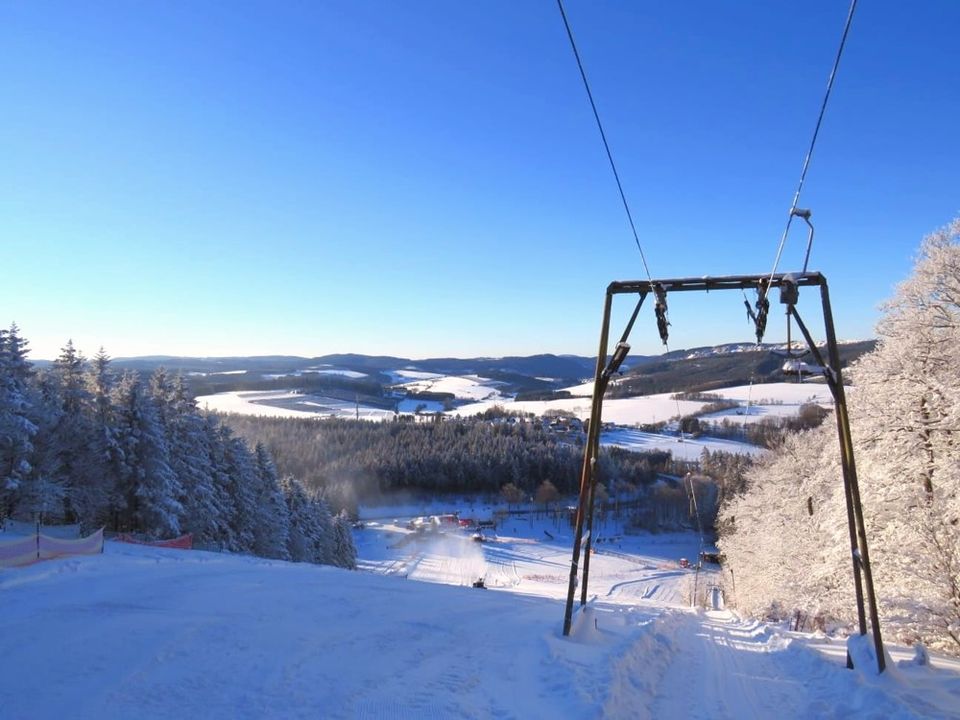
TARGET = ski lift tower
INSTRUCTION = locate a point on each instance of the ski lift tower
(789, 285)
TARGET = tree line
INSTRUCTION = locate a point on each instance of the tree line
(351, 461)
(80, 444)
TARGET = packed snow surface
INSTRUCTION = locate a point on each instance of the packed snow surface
(151, 633)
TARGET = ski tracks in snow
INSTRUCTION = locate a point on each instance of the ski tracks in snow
(713, 666)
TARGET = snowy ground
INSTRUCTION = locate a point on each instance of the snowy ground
(462, 387)
(682, 448)
(285, 403)
(149, 633)
(769, 399)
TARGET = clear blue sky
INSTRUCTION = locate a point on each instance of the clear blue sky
(425, 178)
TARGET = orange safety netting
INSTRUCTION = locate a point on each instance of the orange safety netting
(28, 550)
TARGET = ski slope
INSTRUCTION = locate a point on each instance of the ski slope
(152, 633)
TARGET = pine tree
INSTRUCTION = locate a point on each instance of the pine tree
(149, 485)
(76, 439)
(300, 535)
(106, 455)
(345, 551)
(242, 487)
(17, 429)
(272, 530)
(221, 533)
(190, 457)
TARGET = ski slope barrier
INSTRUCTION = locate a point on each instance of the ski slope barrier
(28, 550)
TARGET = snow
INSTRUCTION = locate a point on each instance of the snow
(776, 399)
(252, 403)
(288, 404)
(584, 389)
(685, 448)
(352, 374)
(154, 633)
(754, 414)
(406, 375)
(464, 387)
(794, 394)
(623, 411)
(410, 405)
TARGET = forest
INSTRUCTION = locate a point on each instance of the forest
(79, 444)
(350, 462)
(784, 528)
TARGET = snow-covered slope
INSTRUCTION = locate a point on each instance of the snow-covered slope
(775, 398)
(149, 633)
(284, 403)
(462, 387)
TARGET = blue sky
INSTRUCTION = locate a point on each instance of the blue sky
(425, 178)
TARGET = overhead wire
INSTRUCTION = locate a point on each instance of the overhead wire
(603, 136)
(816, 132)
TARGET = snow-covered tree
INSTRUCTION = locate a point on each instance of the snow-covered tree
(149, 485)
(105, 455)
(76, 439)
(300, 535)
(344, 549)
(17, 429)
(242, 478)
(189, 451)
(272, 530)
(905, 414)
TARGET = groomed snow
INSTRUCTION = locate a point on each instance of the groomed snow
(150, 633)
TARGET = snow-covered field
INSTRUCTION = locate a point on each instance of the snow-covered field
(757, 401)
(682, 448)
(769, 399)
(462, 387)
(151, 633)
(284, 403)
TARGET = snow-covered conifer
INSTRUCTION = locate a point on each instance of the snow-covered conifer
(344, 550)
(17, 429)
(150, 487)
(272, 530)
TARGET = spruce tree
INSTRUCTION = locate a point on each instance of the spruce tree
(150, 487)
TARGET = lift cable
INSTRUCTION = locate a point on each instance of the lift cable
(603, 136)
(813, 141)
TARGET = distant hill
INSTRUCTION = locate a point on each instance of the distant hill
(710, 368)
(695, 369)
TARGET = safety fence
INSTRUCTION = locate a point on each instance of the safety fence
(40, 546)
(184, 542)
